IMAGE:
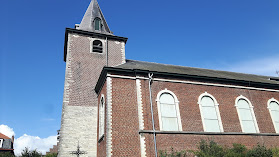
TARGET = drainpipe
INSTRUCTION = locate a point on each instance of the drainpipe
(151, 107)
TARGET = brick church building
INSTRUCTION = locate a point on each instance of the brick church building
(118, 107)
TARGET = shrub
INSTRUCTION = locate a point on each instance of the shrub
(259, 151)
(238, 150)
(6, 154)
(211, 149)
(173, 153)
(52, 155)
(275, 152)
(30, 153)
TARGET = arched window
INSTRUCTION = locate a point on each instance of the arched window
(273, 106)
(102, 117)
(210, 113)
(97, 46)
(97, 24)
(246, 115)
(168, 111)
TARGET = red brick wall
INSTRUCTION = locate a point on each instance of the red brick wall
(101, 146)
(188, 95)
(125, 126)
(116, 54)
(125, 116)
(86, 67)
(54, 149)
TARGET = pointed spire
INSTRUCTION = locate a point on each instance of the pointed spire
(94, 20)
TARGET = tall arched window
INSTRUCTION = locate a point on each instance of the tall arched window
(273, 106)
(102, 117)
(97, 24)
(168, 111)
(97, 46)
(246, 115)
(210, 113)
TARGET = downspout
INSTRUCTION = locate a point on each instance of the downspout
(151, 107)
(107, 49)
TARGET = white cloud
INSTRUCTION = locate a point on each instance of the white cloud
(4, 129)
(262, 66)
(32, 142)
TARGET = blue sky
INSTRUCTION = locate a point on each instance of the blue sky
(233, 35)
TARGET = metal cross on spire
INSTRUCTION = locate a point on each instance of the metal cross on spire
(78, 152)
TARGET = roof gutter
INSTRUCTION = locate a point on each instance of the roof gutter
(166, 74)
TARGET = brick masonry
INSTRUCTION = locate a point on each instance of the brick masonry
(102, 146)
(125, 116)
(80, 102)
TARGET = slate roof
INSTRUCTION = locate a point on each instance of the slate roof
(173, 69)
(91, 13)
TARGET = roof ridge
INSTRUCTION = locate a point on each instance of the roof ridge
(203, 68)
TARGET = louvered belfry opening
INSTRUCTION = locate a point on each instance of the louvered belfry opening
(97, 46)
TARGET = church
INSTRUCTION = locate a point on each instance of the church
(113, 106)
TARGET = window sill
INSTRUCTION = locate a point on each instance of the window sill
(95, 52)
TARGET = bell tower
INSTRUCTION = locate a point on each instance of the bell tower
(87, 49)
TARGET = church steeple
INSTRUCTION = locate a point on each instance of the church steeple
(87, 50)
(94, 20)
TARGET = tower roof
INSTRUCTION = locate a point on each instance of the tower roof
(94, 20)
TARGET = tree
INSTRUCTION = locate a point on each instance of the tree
(30, 153)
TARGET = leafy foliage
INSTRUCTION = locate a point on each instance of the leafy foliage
(30, 153)
(6, 154)
(259, 151)
(173, 153)
(275, 152)
(52, 155)
(212, 149)
(238, 150)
